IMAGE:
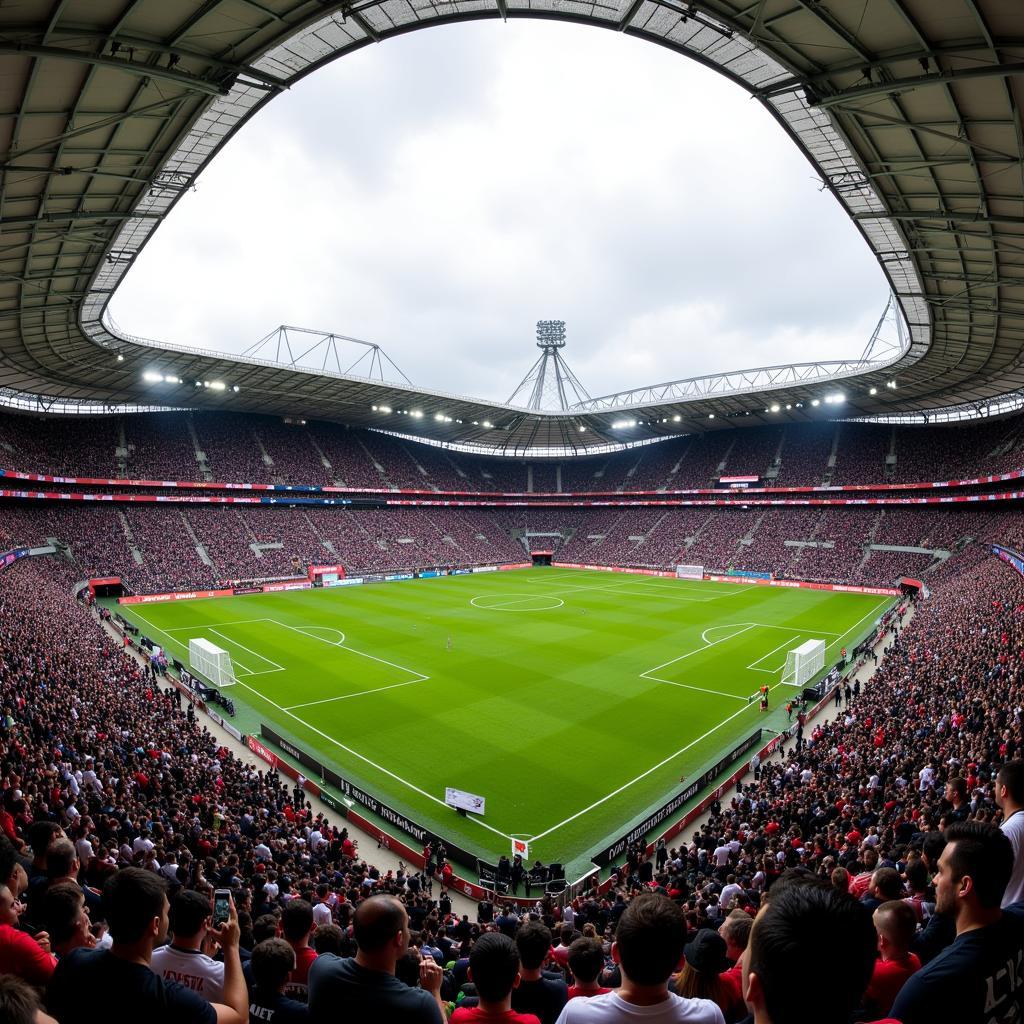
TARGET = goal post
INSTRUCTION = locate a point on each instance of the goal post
(210, 662)
(803, 663)
(690, 572)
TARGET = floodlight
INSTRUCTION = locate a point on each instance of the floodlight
(775, 408)
(217, 385)
(152, 377)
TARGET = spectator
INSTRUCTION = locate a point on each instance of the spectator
(64, 917)
(895, 924)
(701, 976)
(329, 938)
(273, 960)
(494, 970)
(29, 958)
(586, 961)
(364, 990)
(541, 993)
(183, 959)
(970, 980)
(117, 985)
(1010, 799)
(297, 927)
(735, 929)
(19, 1003)
(648, 946)
(810, 956)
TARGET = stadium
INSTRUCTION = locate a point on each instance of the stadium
(702, 697)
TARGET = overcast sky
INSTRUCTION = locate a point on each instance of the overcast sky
(440, 193)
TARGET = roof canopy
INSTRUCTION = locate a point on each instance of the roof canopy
(908, 109)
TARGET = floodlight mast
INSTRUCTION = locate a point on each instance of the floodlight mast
(550, 383)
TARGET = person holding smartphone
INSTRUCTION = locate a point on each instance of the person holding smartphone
(188, 957)
(118, 986)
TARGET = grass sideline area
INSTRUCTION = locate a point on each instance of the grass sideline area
(572, 700)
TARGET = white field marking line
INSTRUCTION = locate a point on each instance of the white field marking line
(349, 696)
(308, 630)
(802, 632)
(753, 665)
(372, 764)
(508, 602)
(349, 750)
(689, 686)
(874, 609)
(269, 661)
(208, 625)
(643, 775)
(708, 644)
(420, 677)
(558, 576)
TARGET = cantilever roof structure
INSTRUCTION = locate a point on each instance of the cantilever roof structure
(910, 111)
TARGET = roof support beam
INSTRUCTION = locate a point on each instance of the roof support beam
(180, 78)
(899, 85)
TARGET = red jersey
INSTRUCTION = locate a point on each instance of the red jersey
(475, 1015)
(888, 978)
(575, 993)
(297, 986)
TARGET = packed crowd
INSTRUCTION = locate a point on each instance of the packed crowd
(858, 877)
(257, 449)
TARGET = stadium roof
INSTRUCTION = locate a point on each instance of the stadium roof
(910, 110)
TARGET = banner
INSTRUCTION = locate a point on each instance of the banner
(189, 595)
(846, 588)
(1009, 556)
(616, 849)
(10, 557)
(749, 574)
(360, 796)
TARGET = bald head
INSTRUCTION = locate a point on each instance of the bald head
(379, 921)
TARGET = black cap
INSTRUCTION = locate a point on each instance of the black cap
(705, 952)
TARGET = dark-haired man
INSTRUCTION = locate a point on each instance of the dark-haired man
(297, 925)
(183, 959)
(539, 992)
(63, 916)
(364, 989)
(648, 946)
(272, 962)
(117, 986)
(1010, 798)
(494, 970)
(977, 977)
(810, 956)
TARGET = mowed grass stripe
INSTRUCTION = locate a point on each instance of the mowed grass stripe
(543, 712)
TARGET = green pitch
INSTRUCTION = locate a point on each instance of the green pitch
(572, 701)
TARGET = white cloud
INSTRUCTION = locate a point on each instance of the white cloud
(442, 192)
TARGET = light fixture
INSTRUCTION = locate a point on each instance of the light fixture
(236, 389)
(120, 358)
(815, 402)
(169, 379)
(152, 377)
(384, 408)
(775, 407)
(439, 416)
(217, 385)
(374, 408)
(677, 418)
(873, 391)
(788, 406)
(711, 415)
(583, 429)
(891, 384)
(487, 424)
(416, 414)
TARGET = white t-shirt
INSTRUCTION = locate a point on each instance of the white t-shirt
(322, 914)
(721, 856)
(195, 970)
(610, 1009)
(1013, 829)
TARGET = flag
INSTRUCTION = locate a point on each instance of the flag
(520, 848)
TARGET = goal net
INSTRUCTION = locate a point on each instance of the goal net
(690, 572)
(803, 663)
(210, 662)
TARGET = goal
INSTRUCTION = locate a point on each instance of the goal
(690, 572)
(803, 663)
(211, 662)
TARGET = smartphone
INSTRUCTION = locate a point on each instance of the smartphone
(221, 906)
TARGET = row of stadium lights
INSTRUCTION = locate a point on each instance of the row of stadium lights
(152, 377)
(417, 414)
(836, 399)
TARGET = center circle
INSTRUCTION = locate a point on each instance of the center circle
(516, 602)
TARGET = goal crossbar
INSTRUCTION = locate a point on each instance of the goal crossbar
(803, 663)
(211, 662)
